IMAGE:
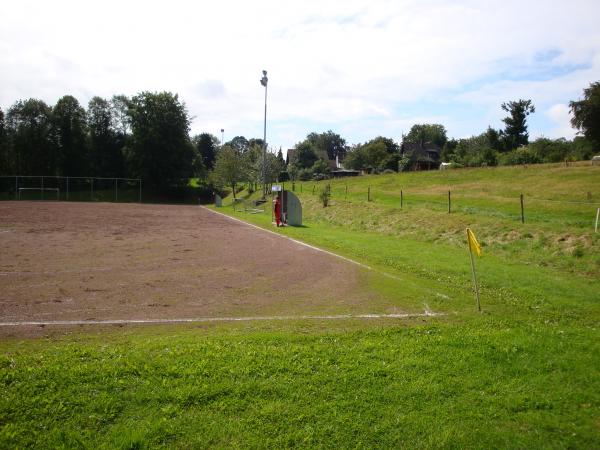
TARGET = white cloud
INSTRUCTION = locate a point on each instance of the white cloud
(560, 115)
(358, 66)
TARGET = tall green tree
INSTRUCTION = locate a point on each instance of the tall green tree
(515, 132)
(106, 144)
(69, 132)
(6, 161)
(426, 132)
(28, 125)
(328, 145)
(586, 113)
(207, 146)
(161, 152)
(372, 156)
(475, 151)
(121, 120)
(304, 156)
(240, 144)
(375, 155)
(230, 168)
(280, 158)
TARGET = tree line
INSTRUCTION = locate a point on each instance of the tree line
(148, 136)
(506, 146)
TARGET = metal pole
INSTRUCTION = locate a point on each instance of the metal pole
(264, 81)
(140, 191)
(42, 188)
(116, 190)
(67, 188)
(265, 144)
(16, 187)
(92, 184)
(449, 202)
(597, 215)
(401, 198)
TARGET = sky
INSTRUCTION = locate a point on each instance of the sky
(359, 68)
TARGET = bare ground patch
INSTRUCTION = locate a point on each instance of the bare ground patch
(99, 261)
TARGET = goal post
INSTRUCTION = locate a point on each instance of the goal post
(103, 189)
(42, 190)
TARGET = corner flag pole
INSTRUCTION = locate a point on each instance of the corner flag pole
(474, 245)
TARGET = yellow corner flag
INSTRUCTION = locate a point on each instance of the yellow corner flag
(473, 244)
(474, 247)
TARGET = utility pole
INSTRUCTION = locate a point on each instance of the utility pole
(264, 80)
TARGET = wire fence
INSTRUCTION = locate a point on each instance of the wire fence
(95, 189)
(521, 207)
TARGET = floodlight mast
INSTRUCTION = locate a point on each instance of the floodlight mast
(264, 80)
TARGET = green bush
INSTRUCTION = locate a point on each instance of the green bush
(324, 196)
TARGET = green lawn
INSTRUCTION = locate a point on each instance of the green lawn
(524, 373)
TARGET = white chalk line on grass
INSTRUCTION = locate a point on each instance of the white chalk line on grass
(364, 266)
(289, 238)
(219, 319)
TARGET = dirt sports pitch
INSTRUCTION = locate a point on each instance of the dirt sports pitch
(106, 261)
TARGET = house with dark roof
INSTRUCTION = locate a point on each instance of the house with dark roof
(421, 155)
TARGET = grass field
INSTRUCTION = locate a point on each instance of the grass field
(524, 373)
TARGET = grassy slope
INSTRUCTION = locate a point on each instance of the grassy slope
(525, 373)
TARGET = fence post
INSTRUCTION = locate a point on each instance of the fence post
(449, 203)
(597, 215)
(346, 194)
(522, 210)
(369, 194)
(401, 198)
(313, 189)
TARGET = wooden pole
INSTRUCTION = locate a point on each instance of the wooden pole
(522, 210)
(346, 194)
(597, 215)
(369, 194)
(401, 198)
(449, 202)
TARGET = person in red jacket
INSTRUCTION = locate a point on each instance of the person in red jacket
(277, 208)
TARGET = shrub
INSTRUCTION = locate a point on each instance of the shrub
(324, 196)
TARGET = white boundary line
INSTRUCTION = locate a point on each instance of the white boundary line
(290, 239)
(217, 319)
